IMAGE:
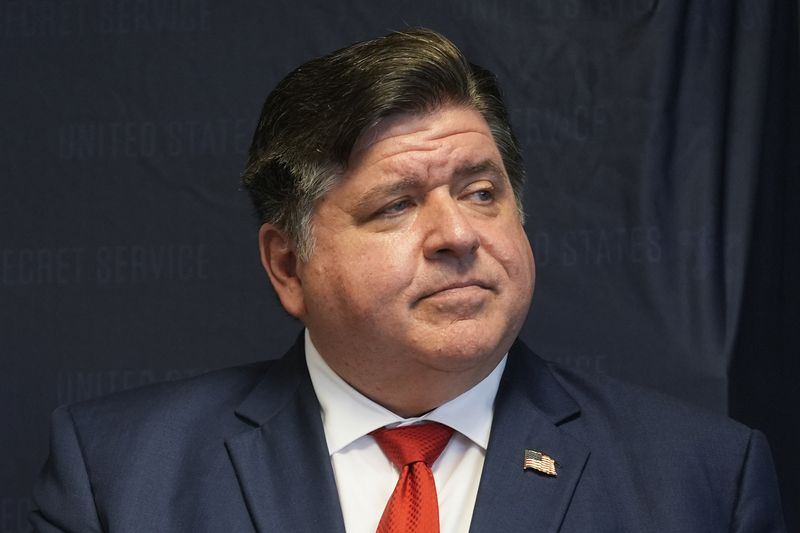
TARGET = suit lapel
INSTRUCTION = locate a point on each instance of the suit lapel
(287, 481)
(532, 411)
(281, 462)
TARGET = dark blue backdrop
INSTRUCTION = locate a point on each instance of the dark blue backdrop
(661, 193)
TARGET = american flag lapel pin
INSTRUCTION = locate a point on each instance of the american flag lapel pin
(540, 462)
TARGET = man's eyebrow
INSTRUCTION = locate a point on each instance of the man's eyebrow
(412, 182)
(482, 167)
(388, 189)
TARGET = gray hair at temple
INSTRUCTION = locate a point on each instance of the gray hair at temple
(312, 119)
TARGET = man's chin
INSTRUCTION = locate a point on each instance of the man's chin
(464, 352)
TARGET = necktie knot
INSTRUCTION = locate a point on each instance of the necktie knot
(413, 506)
(411, 444)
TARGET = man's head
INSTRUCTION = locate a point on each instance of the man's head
(392, 220)
(312, 119)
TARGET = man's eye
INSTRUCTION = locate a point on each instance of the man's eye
(483, 196)
(396, 207)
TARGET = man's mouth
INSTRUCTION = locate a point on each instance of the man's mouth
(457, 288)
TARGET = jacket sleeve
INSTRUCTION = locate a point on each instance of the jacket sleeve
(758, 505)
(63, 499)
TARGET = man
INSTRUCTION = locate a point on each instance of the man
(389, 184)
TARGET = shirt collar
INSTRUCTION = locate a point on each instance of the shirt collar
(348, 415)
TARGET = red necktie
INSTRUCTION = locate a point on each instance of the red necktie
(413, 506)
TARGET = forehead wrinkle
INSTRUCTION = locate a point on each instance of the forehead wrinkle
(376, 136)
(451, 133)
(409, 147)
(370, 142)
(404, 149)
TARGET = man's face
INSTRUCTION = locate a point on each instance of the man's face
(420, 261)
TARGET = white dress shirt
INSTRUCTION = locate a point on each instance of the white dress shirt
(365, 478)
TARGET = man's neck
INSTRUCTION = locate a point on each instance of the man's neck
(409, 390)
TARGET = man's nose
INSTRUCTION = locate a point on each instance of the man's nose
(449, 231)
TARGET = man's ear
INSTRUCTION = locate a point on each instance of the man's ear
(279, 258)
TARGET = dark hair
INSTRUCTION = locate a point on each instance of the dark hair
(313, 117)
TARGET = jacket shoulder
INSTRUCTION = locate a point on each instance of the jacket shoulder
(206, 390)
(659, 453)
(633, 409)
(199, 408)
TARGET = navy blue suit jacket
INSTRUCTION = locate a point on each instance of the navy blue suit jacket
(243, 450)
